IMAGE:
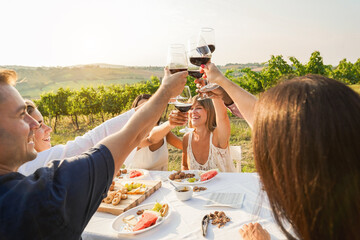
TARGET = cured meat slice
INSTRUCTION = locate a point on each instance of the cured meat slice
(208, 175)
(147, 219)
(135, 173)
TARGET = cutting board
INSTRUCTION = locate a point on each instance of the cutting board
(132, 200)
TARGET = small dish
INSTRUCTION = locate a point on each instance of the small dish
(184, 193)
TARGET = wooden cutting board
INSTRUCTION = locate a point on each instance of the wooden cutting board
(132, 200)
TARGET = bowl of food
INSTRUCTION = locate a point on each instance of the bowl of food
(184, 193)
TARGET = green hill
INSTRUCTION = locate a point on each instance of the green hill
(32, 81)
(35, 80)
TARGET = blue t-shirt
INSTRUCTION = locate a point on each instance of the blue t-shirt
(56, 202)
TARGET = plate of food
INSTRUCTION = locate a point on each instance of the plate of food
(132, 173)
(192, 177)
(141, 219)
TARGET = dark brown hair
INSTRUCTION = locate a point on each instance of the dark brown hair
(307, 152)
(208, 105)
(30, 106)
(142, 97)
(139, 98)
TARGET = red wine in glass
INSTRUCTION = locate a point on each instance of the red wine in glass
(175, 70)
(212, 47)
(183, 107)
(195, 73)
(198, 61)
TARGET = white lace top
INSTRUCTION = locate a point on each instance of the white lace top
(218, 158)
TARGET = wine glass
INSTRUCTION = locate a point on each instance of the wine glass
(183, 104)
(199, 53)
(208, 34)
(176, 61)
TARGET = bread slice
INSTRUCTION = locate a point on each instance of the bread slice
(131, 220)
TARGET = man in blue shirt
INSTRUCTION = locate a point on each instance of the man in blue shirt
(57, 202)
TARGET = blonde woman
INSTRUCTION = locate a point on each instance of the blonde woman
(207, 147)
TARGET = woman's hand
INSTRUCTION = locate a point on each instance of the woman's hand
(177, 118)
(215, 93)
(254, 232)
(213, 73)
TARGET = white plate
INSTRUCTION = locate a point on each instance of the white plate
(126, 175)
(197, 176)
(118, 224)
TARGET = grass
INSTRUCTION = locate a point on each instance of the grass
(355, 87)
(240, 135)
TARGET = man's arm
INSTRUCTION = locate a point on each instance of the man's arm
(77, 146)
(120, 144)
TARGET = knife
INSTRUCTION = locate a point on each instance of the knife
(204, 224)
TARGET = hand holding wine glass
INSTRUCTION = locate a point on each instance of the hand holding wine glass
(177, 118)
(208, 34)
(174, 83)
(213, 74)
(183, 104)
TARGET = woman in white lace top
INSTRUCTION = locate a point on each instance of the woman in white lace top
(207, 147)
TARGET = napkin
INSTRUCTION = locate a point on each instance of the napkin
(233, 200)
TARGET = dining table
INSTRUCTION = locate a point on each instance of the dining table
(186, 216)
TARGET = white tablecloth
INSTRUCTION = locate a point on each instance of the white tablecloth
(185, 219)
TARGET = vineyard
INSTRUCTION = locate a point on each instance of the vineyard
(73, 112)
(103, 102)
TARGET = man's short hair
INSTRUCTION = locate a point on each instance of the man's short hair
(8, 76)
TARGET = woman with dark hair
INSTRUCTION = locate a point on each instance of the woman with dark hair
(207, 147)
(152, 152)
(306, 149)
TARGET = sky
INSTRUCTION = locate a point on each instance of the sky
(138, 32)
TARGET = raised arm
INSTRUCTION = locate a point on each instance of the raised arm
(184, 161)
(77, 146)
(176, 118)
(120, 144)
(244, 100)
(222, 130)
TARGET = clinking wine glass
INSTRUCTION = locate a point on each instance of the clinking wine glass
(183, 104)
(199, 53)
(176, 61)
(208, 34)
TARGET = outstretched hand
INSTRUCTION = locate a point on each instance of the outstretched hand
(174, 83)
(215, 93)
(254, 232)
(177, 118)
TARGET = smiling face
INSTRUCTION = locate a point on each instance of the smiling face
(42, 134)
(198, 115)
(16, 130)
